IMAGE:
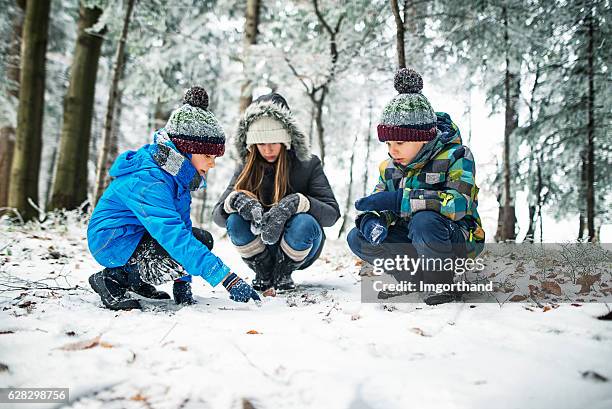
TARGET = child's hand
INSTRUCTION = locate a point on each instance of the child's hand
(239, 290)
(274, 221)
(247, 207)
(373, 228)
(380, 201)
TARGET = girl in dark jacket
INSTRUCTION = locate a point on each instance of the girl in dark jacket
(279, 199)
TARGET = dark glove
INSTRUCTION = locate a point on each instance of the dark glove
(380, 201)
(247, 207)
(372, 227)
(239, 290)
(274, 220)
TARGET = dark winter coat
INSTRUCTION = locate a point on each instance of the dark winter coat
(305, 170)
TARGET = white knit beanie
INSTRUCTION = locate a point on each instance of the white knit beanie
(267, 130)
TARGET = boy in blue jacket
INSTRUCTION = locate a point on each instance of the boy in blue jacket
(141, 230)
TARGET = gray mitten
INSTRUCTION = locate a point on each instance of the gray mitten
(274, 220)
(247, 207)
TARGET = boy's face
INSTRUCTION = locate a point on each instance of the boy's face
(202, 162)
(269, 151)
(404, 152)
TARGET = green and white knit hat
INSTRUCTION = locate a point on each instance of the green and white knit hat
(409, 116)
(193, 128)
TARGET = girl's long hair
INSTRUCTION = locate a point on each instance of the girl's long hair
(250, 179)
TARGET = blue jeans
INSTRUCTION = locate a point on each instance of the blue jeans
(302, 231)
(427, 234)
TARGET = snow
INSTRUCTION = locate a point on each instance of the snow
(318, 348)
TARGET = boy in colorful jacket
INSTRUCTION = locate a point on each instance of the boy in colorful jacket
(141, 230)
(426, 195)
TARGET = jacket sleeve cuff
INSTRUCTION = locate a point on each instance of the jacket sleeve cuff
(303, 204)
(226, 203)
(217, 273)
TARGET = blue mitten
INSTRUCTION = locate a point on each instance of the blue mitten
(373, 228)
(380, 201)
(239, 290)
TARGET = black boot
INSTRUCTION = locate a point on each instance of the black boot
(182, 293)
(262, 264)
(283, 268)
(111, 285)
(141, 288)
(442, 298)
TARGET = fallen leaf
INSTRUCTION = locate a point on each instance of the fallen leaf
(551, 287)
(182, 348)
(355, 317)
(270, 292)
(253, 332)
(138, 397)
(359, 262)
(247, 404)
(546, 308)
(518, 298)
(80, 345)
(419, 331)
(586, 281)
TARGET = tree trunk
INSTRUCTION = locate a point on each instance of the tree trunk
(113, 104)
(250, 37)
(349, 195)
(367, 155)
(70, 181)
(26, 158)
(590, 143)
(582, 194)
(318, 105)
(7, 147)
(511, 90)
(7, 132)
(399, 34)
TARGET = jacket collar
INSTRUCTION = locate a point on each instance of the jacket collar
(168, 157)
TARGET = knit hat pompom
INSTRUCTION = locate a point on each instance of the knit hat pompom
(196, 97)
(408, 81)
(193, 128)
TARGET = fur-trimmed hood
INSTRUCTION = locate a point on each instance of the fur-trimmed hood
(299, 142)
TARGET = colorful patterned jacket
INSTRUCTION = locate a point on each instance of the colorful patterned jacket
(440, 178)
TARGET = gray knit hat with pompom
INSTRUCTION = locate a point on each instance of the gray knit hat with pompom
(193, 128)
(409, 116)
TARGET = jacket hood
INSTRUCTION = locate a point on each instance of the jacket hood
(299, 143)
(162, 153)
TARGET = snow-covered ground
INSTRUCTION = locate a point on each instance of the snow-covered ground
(319, 348)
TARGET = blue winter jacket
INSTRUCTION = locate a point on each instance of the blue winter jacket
(151, 192)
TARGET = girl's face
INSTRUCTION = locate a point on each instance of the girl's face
(202, 162)
(404, 152)
(269, 151)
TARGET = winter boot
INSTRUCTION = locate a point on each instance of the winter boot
(442, 298)
(111, 285)
(182, 293)
(262, 264)
(141, 288)
(283, 268)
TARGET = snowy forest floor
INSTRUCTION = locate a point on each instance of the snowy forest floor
(317, 348)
